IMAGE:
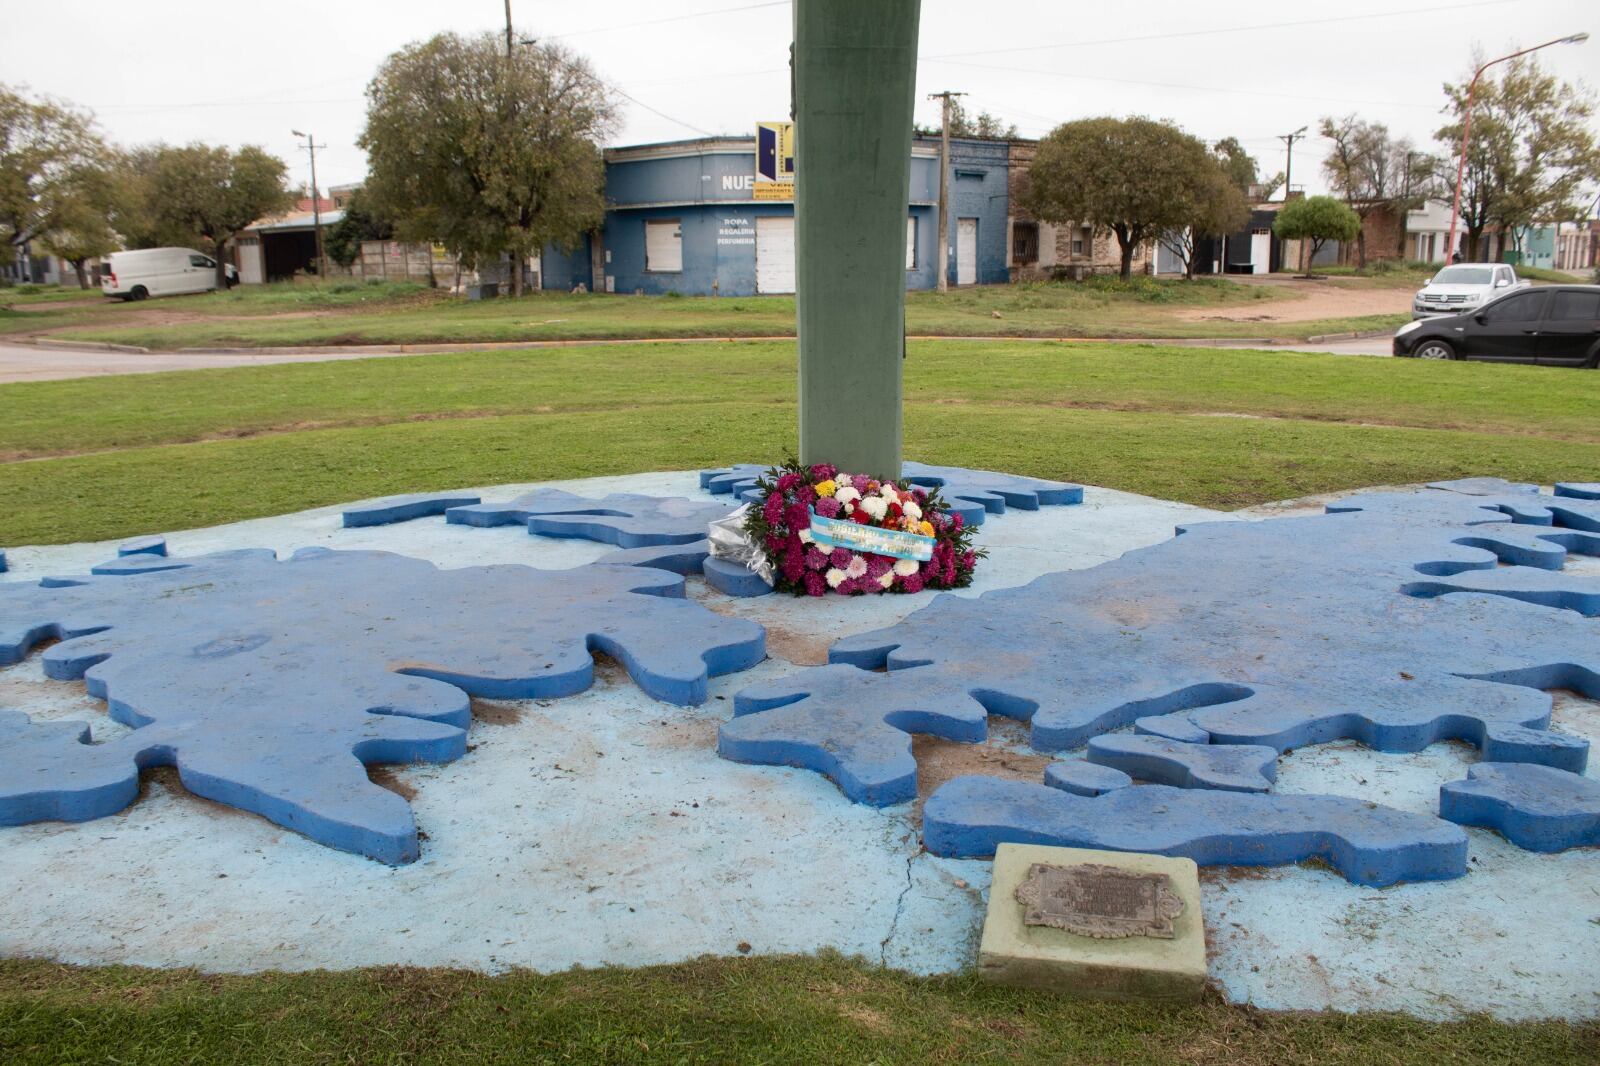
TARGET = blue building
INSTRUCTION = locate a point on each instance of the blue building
(682, 217)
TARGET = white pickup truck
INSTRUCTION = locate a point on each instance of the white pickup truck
(1464, 287)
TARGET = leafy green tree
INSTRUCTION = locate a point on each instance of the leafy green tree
(1214, 207)
(51, 161)
(1532, 154)
(342, 242)
(82, 227)
(1318, 219)
(484, 153)
(204, 195)
(1135, 177)
(1242, 169)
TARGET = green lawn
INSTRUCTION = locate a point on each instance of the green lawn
(761, 1010)
(1218, 427)
(1100, 307)
(24, 295)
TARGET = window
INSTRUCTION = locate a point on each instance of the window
(1024, 243)
(202, 261)
(663, 246)
(1575, 306)
(1083, 241)
(1523, 307)
(911, 244)
(1463, 275)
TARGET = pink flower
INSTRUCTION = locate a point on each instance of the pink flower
(776, 542)
(828, 507)
(956, 521)
(857, 568)
(797, 517)
(969, 560)
(823, 471)
(815, 585)
(840, 558)
(788, 482)
(772, 510)
(807, 495)
(912, 582)
(860, 482)
(793, 567)
(878, 565)
(815, 560)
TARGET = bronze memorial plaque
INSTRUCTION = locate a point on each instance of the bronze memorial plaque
(1104, 902)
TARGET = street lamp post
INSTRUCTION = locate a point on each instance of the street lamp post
(316, 204)
(1451, 239)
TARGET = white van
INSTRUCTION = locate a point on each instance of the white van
(160, 272)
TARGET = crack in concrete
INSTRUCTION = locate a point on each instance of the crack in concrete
(900, 901)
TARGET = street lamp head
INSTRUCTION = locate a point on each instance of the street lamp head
(1576, 38)
(297, 133)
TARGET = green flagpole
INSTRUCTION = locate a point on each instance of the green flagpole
(855, 70)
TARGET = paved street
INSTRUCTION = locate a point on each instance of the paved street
(25, 362)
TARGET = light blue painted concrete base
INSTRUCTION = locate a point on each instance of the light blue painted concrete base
(392, 509)
(1534, 807)
(520, 868)
(1083, 778)
(1231, 767)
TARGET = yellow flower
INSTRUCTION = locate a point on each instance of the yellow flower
(926, 528)
(826, 488)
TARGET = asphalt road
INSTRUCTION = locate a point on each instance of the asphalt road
(26, 362)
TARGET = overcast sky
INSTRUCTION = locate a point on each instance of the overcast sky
(248, 73)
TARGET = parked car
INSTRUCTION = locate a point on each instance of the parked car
(147, 272)
(1553, 325)
(1464, 287)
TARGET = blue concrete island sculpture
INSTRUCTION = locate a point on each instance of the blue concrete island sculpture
(269, 684)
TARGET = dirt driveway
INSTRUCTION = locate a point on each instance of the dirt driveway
(1305, 301)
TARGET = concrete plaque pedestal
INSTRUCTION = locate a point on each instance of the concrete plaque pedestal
(1133, 967)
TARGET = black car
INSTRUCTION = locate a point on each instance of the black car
(1551, 325)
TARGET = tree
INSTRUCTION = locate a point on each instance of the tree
(204, 195)
(50, 156)
(1135, 177)
(1360, 169)
(1318, 219)
(1532, 151)
(985, 127)
(1215, 207)
(485, 153)
(82, 226)
(343, 240)
(1241, 168)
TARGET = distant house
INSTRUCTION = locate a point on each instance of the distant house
(1038, 250)
(280, 247)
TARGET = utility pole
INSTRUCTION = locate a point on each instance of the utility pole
(1288, 169)
(508, 31)
(944, 188)
(316, 202)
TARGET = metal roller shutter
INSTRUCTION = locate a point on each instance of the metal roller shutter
(775, 253)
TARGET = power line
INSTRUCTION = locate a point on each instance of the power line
(1452, 8)
(663, 114)
(669, 18)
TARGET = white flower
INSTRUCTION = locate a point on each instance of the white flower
(887, 579)
(835, 577)
(910, 509)
(857, 567)
(847, 495)
(875, 506)
(805, 536)
(906, 567)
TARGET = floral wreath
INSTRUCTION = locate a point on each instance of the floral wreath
(910, 540)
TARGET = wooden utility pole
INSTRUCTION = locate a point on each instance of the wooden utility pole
(1288, 168)
(508, 30)
(944, 187)
(855, 67)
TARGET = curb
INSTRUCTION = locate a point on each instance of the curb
(1359, 335)
(83, 346)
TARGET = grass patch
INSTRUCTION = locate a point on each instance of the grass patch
(1218, 462)
(93, 414)
(822, 1009)
(1099, 307)
(23, 295)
